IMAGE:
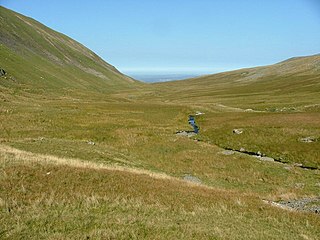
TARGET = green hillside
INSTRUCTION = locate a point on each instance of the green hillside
(40, 60)
(293, 82)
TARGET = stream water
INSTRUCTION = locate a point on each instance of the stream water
(192, 122)
(259, 155)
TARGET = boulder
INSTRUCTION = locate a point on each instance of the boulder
(308, 139)
(2, 72)
(237, 131)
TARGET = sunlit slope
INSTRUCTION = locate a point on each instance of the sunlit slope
(294, 81)
(38, 59)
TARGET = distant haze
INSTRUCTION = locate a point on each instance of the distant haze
(157, 77)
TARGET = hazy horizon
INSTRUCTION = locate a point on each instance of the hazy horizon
(161, 77)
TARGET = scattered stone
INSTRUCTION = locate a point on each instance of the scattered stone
(91, 143)
(191, 178)
(308, 139)
(198, 113)
(284, 109)
(263, 157)
(48, 173)
(228, 152)
(2, 72)
(299, 185)
(237, 131)
(275, 204)
(297, 164)
(186, 133)
(305, 204)
(266, 159)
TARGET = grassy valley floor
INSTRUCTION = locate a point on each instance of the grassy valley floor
(116, 169)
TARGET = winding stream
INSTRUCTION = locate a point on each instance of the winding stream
(260, 156)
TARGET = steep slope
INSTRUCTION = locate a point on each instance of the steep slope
(38, 59)
(285, 82)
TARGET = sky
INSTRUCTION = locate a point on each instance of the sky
(183, 36)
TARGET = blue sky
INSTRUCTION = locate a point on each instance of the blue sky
(184, 36)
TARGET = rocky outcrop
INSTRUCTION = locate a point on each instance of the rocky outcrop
(305, 204)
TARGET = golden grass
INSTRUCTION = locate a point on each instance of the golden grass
(53, 185)
(29, 157)
(75, 201)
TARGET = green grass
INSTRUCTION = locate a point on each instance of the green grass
(51, 64)
(143, 135)
(122, 205)
(51, 106)
(275, 134)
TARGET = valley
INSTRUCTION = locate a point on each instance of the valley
(87, 152)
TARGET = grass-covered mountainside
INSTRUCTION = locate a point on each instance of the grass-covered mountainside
(40, 60)
(88, 153)
(291, 83)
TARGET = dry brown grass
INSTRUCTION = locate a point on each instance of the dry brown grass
(78, 201)
(25, 157)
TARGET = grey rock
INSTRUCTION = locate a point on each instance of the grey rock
(308, 139)
(228, 152)
(305, 204)
(237, 131)
(297, 164)
(199, 113)
(191, 178)
(186, 133)
(2, 72)
(266, 159)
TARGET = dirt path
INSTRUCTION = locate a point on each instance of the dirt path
(29, 157)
